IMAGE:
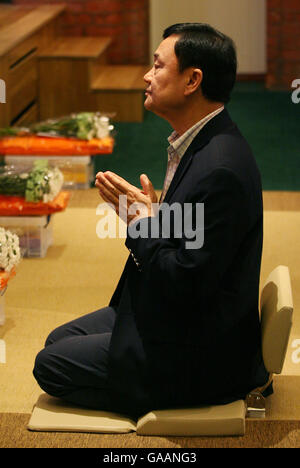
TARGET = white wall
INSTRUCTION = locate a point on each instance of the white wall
(243, 20)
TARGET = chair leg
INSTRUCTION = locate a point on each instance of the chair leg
(255, 401)
(256, 405)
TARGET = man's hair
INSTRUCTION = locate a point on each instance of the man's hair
(202, 46)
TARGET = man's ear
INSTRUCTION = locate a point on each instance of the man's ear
(193, 81)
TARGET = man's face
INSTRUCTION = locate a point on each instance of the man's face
(165, 85)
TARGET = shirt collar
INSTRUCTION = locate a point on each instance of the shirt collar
(180, 143)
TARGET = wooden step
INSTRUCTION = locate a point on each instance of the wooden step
(77, 48)
(66, 70)
(119, 89)
(119, 78)
(74, 77)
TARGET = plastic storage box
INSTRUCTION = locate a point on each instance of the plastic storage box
(2, 315)
(78, 171)
(35, 233)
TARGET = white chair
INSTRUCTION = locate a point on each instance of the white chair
(276, 306)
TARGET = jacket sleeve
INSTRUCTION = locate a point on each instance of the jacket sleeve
(175, 261)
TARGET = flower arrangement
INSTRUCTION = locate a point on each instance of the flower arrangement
(85, 133)
(10, 256)
(84, 126)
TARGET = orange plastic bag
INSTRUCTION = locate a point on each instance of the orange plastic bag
(49, 146)
(5, 276)
(16, 206)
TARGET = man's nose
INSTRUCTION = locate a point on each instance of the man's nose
(148, 76)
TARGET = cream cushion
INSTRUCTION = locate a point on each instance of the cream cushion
(51, 414)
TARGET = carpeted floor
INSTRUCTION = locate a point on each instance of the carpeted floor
(77, 276)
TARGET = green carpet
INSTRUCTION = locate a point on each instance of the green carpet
(271, 123)
(140, 148)
(268, 120)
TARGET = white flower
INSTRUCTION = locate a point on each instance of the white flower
(9, 250)
(56, 180)
(101, 126)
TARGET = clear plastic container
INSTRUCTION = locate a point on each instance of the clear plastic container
(35, 233)
(78, 171)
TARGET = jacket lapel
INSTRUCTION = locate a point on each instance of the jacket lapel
(215, 126)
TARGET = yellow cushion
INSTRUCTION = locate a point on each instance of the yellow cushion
(276, 318)
(52, 414)
(222, 420)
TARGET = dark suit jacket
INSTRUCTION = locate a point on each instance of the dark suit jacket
(187, 329)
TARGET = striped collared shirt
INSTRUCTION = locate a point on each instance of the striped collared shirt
(179, 145)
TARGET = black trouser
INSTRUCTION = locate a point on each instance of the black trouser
(74, 363)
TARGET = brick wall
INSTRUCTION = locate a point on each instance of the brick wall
(283, 43)
(126, 21)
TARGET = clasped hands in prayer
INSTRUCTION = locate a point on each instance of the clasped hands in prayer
(129, 202)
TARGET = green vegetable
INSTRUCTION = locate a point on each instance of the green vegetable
(37, 182)
(12, 183)
(32, 186)
(9, 131)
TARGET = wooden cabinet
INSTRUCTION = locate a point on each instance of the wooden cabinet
(24, 32)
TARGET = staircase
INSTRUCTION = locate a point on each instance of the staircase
(74, 76)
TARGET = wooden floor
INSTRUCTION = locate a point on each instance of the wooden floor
(281, 201)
